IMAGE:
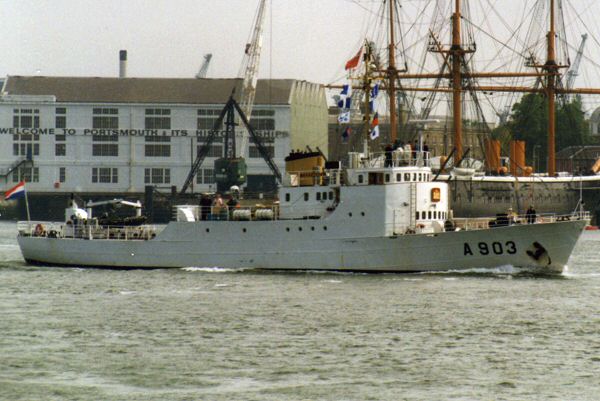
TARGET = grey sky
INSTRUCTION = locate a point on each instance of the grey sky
(168, 38)
(311, 39)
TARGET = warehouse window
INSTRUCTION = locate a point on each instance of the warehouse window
(105, 118)
(207, 119)
(27, 174)
(105, 175)
(60, 119)
(158, 119)
(156, 146)
(157, 176)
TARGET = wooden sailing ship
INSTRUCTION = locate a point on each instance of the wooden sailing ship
(474, 195)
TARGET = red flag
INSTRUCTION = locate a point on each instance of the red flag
(353, 62)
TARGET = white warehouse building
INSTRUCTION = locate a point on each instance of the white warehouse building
(109, 136)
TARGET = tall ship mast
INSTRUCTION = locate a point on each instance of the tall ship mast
(462, 78)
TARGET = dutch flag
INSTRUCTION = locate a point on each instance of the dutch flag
(17, 191)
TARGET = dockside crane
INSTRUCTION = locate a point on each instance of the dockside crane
(204, 67)
(231, 169)
(573, 72)
(249, 70)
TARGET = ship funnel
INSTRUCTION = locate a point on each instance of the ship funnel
(122, 63)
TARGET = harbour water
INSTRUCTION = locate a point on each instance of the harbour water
(210, 334)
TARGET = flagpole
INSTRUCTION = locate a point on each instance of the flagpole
(27, 207)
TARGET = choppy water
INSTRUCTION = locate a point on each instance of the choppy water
(209, 334)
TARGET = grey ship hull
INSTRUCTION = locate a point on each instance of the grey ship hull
(293, 245)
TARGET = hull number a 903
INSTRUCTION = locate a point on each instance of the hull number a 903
(494, 248)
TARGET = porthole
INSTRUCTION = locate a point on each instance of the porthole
(299, 228)
(243, 229)
(350, 214)
(324, 228)
(362, 213)
(312, 229)
(208, 230)
(287, 229)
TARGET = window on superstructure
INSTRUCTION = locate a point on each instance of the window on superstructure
(105, 175)
(417, 215)
(361, 179)
(318, 196)
(407, 177)
(429, 215)
(60, 119)
(105, 118)
(423, 215)
(287, 197)
(158, 119)
(62, 174)
(157, 176)
(398, 177)
(387, 178)
(27, 174)
(157, 146)
(306, 196)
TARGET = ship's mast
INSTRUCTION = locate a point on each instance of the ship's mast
(457, 54)
(392, 74)
(552, 69)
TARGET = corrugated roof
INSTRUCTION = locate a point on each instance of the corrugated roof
(146, 90)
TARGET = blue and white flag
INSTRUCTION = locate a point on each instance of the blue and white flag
(344, 96)
(373, 97)
(374, 134)
(344, 117)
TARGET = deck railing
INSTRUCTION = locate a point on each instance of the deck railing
(85, 231)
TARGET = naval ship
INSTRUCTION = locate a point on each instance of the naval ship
(383, 213)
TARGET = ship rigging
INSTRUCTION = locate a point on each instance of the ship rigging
(455, 66)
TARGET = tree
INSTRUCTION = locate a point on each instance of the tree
(529, 123)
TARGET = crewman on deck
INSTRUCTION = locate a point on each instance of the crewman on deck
(530, 215)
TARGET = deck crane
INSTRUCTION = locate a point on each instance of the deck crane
(574, 70)
(204, 68)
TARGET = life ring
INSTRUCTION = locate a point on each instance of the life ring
(39, 230)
